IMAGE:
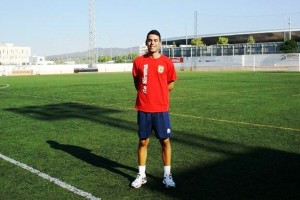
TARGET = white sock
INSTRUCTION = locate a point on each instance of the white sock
(167, 170)
(142, 170)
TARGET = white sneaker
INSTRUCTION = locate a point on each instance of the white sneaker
(168, 181)
(139, 181)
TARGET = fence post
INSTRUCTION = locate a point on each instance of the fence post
(254, 63)
(299, 61)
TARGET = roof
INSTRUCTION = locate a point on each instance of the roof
(241, 37)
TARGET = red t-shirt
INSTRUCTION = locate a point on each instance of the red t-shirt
(153, 76)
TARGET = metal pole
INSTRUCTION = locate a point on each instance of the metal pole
(166, 36)
(92, 35)
(186, 40)
(290, 33)
(195, 24)
(254, 63)
(299, 61)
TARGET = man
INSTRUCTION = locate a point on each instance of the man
(154, 75)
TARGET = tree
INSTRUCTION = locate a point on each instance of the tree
(104, 59)
(197, 42)
(222, 40)
(251, 40)
(132, 56)
(289, 46)
(119, 59)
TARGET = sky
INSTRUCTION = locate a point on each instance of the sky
(52, 27)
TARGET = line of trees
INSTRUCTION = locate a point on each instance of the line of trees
(289, 46)
(118, 59)
(221, 40)
(101, 59)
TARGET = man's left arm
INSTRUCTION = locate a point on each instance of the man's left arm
(171, 85)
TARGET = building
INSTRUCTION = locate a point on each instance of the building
(143, 49)
(13, 55)
(40, 60)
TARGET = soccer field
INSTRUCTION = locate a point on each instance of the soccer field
(236, 136)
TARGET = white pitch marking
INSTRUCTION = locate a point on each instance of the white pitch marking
(237, 122)
(2, 86)
(181, 115)
(51, 179)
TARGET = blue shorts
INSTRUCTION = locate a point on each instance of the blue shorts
(158, 122)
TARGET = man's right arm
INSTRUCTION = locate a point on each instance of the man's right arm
(171, 85)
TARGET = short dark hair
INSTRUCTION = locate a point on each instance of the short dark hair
(154, 32)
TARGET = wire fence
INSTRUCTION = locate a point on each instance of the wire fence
(223, 50)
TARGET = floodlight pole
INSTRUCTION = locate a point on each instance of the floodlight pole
(92, 52)
(290, 33)
(166, 28)
(195, 24)
(299, 61)
(186, 40)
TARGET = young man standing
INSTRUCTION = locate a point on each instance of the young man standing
(154, 75)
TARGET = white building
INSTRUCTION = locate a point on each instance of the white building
(143, 49)
(40, 60)
(13, 55)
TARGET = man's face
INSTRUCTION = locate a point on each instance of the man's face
(153, 43)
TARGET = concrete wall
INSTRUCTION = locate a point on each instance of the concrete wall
(282, 62)
(12, 70)
(122, 67)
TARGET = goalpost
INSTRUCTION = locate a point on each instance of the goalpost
(277, 62)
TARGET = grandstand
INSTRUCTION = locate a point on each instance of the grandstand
(279, 35)
(264, 54)
(266, 42)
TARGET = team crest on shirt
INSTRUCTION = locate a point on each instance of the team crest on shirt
(168, 131)
(160, 69)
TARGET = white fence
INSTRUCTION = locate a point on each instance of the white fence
(279, 62)
(282, 62)
(60, 69)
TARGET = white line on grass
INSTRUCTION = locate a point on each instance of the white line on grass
(51, 179)
(2, 86)
(237, 122)
(181, 115)
(247, 91)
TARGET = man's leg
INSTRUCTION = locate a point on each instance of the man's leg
(142, 151)
(166, 156)
(142, 158)
(166, 151)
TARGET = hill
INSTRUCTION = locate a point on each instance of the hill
(101, 52)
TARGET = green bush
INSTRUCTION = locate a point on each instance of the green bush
(289, 46)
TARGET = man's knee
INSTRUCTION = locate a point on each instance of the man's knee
(165, 142)
(144, 142)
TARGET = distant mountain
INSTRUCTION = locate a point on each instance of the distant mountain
(101, 52)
